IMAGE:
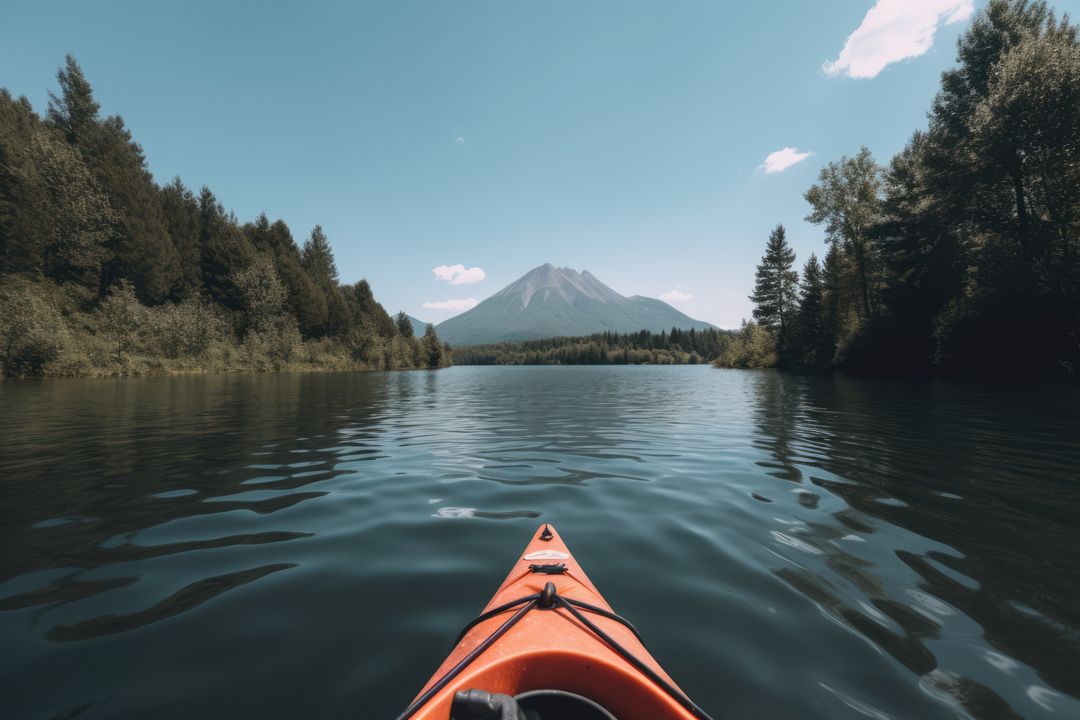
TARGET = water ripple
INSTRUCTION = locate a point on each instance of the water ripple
(790, 546)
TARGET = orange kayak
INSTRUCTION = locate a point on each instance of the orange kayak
(549, 646)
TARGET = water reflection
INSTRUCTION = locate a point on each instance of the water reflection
(93, 468)
(791, 546)
(939, 462)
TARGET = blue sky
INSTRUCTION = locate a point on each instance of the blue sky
(625, 138)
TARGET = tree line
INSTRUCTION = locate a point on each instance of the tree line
(960, 257)
(677, 347)
(102, 271)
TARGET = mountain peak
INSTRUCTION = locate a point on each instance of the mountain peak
(550, 301)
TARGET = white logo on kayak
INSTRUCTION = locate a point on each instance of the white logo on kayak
(546, 555)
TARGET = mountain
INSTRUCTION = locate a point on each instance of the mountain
(549, 301)
(418, 326)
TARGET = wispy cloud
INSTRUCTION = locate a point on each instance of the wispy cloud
(781, 160)
(895, 30)
(676, 295)
(457, 305)
(459, 140)
(459, 274)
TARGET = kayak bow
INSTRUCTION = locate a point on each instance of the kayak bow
(549, 638)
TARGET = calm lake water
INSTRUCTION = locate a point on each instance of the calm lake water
(309, 545)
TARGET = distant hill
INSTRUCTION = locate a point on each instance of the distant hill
(418, 326)
(549, 301)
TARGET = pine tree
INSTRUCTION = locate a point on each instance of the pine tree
(140, 249)
(835, 302)
(25, 221)
(776, 286)
(318, 259)
(430, 348)
(181, 212)
(80, 212)
(75, 111)
(339, 318)
(363, 300)
(224, 251)
(404, 325)
(306, 300)
(813, 338)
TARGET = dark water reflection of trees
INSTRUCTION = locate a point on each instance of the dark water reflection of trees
(79, 488)
(957, 465)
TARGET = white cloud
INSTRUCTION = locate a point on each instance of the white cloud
(895, 30)
(459, 140)
(457, 305)
(676, 295)
(781, 160)
(459, 274)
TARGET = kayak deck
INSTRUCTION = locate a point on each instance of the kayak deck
(550, 648)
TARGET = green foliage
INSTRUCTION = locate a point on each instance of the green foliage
(74, 112)
(846, 201)
(679, 347)
(139, 248)
(26, 212)
(123, 318)
(318, 259)
(79, 211)
(431, 350)
(753, 347)
(776, 286)
(364, 305)
(102, 272)
(262, 295)
(270, 331)
(187, 329)
(32, 332)
(306, 301)
(403, 325)
(813, 339)
(225, 251)
(339, 318)
(181, 214)
(961, 257)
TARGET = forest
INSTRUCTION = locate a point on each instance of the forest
(678, 347)
(958, 258)
(104, 272)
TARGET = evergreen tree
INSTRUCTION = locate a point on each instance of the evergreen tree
(26, 222)
(814, 341)
(339, 318)
(140, 249)
(776, 286)
(181, 214)
(306, 301)
(430, 347)
(224, 251)
(79, 210)
(78, 207)
(363, 300)
(835, 303)
(318, 259)
(75, 111)
(404, 325)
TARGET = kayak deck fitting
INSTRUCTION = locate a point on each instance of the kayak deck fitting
(548, 645)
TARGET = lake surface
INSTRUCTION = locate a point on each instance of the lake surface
(310, 545)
